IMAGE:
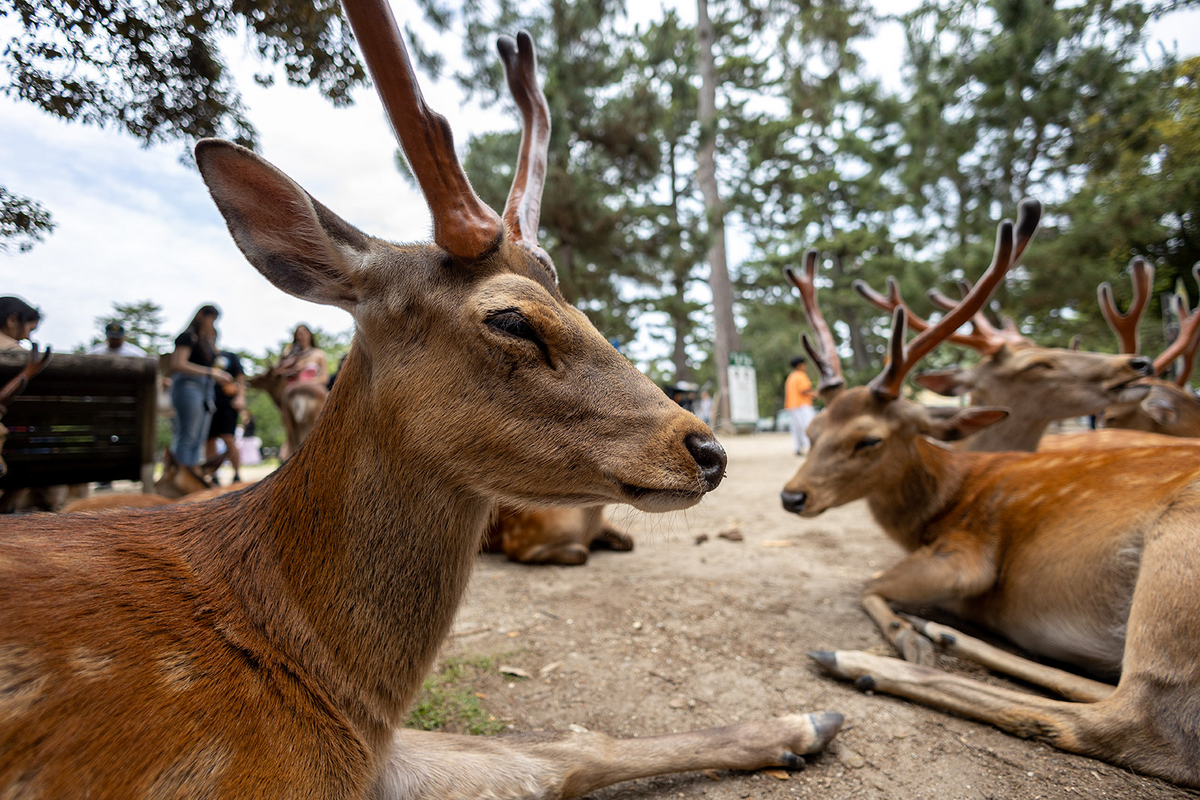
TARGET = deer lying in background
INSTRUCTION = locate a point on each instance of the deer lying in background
(300, 404)
(1169, 408)
(1038, 385)
(553, 535)
(269, 645)
(13, 389)
(179, 483)
(1088, 557)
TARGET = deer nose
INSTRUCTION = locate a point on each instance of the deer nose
(793, 501)
(1141, 364)
(710, 457)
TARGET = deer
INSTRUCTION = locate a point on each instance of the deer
(268, 642)
(1038, 385)
(563, 536)
(14, 388)
(1088, 557)
(1168, 408)
(300, 404)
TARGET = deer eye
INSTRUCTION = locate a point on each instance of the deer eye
(1037, 366)
(864, 443)
(512, 323)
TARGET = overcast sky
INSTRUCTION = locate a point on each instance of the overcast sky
(133, 224)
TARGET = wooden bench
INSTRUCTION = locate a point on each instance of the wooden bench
(82, 419)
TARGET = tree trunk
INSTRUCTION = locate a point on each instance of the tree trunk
(725, 334)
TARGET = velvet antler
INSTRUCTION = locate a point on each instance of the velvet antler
(462, 225)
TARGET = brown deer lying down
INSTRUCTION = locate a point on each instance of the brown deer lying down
(553, 535)
(300, 405)
(267, 644)
(1088, 557)
(178, 481)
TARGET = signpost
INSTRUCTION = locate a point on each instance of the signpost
(743, 390)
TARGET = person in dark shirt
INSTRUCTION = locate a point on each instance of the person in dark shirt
(193, 376)
(229, 400)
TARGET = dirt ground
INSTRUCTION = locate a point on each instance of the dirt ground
(678, 635)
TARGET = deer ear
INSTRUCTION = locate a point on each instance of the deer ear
(961, 425)
(946, 382)
(295, 242)
(1160, 409)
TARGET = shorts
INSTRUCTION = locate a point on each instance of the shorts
(224, 422)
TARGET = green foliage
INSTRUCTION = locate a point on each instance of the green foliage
(143, 322)
(23, 222)
(153, 68)
(448, 700)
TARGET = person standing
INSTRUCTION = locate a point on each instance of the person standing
(115, 343)
(229, 400)
(798, 397)
(193, 375)
(18, 320)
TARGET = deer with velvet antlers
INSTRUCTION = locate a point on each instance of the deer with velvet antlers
(1088, 557)
(267, 643)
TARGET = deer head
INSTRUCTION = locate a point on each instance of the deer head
(1168, 407)
(521, 400)
(1037, 384)
(13, 388)
(867, 439)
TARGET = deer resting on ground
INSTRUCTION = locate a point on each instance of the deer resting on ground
(267, 643)
(1088, 557)
(554, 535)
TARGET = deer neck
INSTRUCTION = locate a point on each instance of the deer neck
(925, 489)
(355, 558)
(1014, 433)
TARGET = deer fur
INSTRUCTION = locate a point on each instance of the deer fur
(554, 535)
(267, 643)
(1087, 556)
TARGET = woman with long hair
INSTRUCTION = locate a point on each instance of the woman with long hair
(193, 376)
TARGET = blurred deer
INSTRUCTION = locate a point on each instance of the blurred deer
(1038, 385)
(300, 404)
(1087, 557)
(554, 535)
(267, 643)
(1168, 408)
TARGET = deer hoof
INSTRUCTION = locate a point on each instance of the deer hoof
(914, 648)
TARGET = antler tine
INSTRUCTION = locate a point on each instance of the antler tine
(524, 206)
(975, 340)
(824, 351)
(888, 382)
(1125, 326)
(462, 225)
(17, 385)
(1188, 340)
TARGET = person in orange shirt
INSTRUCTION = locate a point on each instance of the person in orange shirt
(798, 397)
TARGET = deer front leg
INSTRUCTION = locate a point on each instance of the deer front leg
(439, 766)
(954, 566)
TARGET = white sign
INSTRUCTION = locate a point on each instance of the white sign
(743, 390)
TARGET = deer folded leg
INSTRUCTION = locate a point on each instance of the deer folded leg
(437, 766)
(1123, 729)
(900, 633)
(1063, 683)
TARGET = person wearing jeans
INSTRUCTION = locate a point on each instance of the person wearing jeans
(192, 379)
